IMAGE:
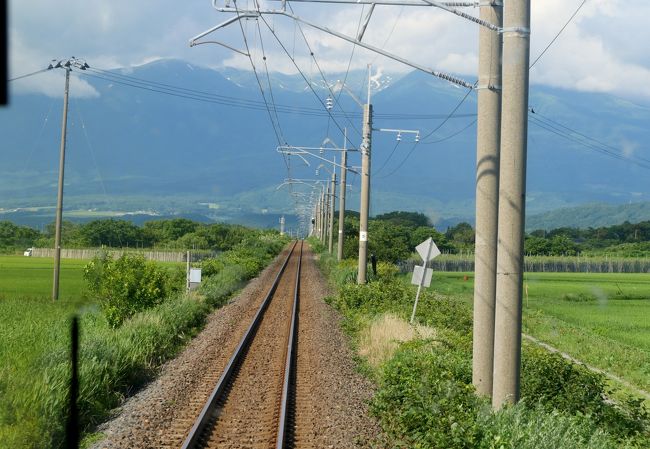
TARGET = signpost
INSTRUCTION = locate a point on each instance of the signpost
(421, 274)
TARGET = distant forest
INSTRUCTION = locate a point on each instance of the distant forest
(393, 236)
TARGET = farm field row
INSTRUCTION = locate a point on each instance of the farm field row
(600, 319)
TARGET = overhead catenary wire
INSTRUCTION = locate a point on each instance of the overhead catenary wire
(448, 137)
(586, 141)
(313, 56)
(284, 48)
(238, 102)
(422, 141)
(558, 33)
(347, 70)
(259, 83)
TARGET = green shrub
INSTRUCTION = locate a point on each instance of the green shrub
(426, 399)
(524, 427)
(561, 385)
(212, 266)
(127, 285)
(218, 288)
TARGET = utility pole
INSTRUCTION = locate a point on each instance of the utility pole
(67, 65)
(59, 199)
(487, 194)
(365, 187)
(326, 214)
(320, 212)
(512, 195)
(344, 162)
(330, 245)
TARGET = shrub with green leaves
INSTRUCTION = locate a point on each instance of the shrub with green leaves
(562, 386)
(218, 288)
(127, 285)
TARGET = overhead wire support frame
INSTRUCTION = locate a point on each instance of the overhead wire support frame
(389, 3)
(447, 6)
(252, 14)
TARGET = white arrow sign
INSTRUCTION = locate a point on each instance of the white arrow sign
(428, 250)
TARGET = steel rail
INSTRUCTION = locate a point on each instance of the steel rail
(281, 439)
(207, 413)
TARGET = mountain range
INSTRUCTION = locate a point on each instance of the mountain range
(171, 138)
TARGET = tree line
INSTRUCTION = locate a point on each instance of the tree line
(177, 233)
(394, 236)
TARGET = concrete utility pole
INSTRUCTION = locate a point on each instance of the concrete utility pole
(366, 146)
(330, 245)
(512, 196)
(326, 213)
(67, 65)
(59, 199)
(339, 248)
(322, 215)
(487, 194)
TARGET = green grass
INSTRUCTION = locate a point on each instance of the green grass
(32, 277)
(601, 319)
(34, 346)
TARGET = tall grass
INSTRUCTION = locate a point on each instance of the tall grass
(114, 362)
(426, 398)
(35, 372)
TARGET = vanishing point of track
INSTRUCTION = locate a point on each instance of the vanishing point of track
(251, 404)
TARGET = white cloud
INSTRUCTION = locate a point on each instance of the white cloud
(603, 49)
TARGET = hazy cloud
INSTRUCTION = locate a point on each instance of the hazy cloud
(601, 50)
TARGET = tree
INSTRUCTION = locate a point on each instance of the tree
(115, 233)
(406, 219)
(166, 231)
(422, 233)
(388, 242)
(12, 235)
(461, 236)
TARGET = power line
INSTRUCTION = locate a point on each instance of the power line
(238, 102)
(306, 80)
(585, 140)
(449, 116)
(450, 136)
(28, 75)
(311, 52)
(388, 158)
(250, 58)
(558, 34)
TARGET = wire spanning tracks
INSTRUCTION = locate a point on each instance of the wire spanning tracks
(248, 406)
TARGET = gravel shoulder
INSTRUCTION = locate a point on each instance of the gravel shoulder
(160, 415)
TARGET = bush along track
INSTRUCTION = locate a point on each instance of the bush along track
(425, 396)
(144, 318)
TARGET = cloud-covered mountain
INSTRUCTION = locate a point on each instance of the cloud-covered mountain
(220, 149)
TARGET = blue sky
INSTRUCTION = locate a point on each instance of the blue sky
(603, 49)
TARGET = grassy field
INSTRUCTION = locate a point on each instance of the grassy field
(32, 277)
(34, 343)
(601, 319)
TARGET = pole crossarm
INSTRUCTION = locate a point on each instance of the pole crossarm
(400, 132)
(464, 15)
(389, 3)
(309, 151)
(222, 25)
(446, 6)
(252, 13)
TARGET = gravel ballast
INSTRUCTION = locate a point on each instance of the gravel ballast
(334, 405)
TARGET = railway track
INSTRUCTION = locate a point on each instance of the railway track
(252, 404)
